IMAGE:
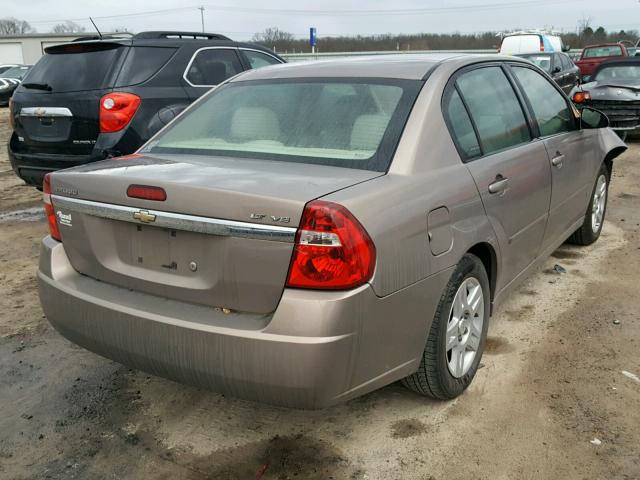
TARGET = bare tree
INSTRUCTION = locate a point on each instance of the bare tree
(68, 27)
(13, 26)
(273, 34)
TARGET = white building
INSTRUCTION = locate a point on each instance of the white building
(29, 48)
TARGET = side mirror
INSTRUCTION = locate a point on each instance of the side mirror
(592, 118)
(566, 48)
(556, 70)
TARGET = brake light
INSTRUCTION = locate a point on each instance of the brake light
(541, 44)
(332, 249)
(11, 121)
(581, 97)
(54, 230)
(146, 192)
(116, 110)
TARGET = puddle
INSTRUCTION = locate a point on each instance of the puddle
(497, 346)
(34, 214)
(407, 428)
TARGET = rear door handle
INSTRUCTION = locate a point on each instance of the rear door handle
(557, 160)
(499, 185)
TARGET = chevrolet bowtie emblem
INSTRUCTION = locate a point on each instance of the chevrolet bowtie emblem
(144, 216)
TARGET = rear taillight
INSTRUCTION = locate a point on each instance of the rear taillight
(541, 45)
(54, 230)
(11, 120)
(332, 250)
(116, 111)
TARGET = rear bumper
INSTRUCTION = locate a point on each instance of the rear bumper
(32, 167)
(315, 350)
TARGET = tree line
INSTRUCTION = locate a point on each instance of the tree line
(285, 42)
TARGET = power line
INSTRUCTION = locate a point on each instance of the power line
(327, 13)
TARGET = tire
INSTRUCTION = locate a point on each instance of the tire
(435, 377)
(591, 228)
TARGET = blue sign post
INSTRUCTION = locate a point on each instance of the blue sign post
(312, 39)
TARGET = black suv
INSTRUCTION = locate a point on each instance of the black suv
(92, 99)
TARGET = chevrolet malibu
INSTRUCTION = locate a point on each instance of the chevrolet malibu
(307, 233)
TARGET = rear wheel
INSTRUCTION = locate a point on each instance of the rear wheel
(457, 336)
(591, 228)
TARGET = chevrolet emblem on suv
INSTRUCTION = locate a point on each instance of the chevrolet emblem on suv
(144, 216)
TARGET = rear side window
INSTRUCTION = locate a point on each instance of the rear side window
(461, 128)
(142, 63)
(259, 59)
(494, 108)
(550, 108)
(213, 66)
(75, 67)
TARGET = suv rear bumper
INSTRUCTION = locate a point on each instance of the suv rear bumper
(315, 350)
(32, 167)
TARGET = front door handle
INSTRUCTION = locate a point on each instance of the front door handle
(499, 185)
(557, 160)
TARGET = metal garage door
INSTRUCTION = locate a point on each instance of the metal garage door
(11, 53)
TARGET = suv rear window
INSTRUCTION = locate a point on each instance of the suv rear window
(75, 67)
(340, 122)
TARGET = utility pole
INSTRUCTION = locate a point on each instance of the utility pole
(202, 17)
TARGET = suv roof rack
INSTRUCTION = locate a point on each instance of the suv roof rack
(186, 35)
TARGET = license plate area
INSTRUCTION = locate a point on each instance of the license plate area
(47, 129)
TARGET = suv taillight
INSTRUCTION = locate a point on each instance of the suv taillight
(54, 230)
(332, 250)
(116, 110)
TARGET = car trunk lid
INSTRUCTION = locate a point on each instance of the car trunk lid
(223, 237)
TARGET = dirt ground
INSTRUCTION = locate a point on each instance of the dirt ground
(550, 402)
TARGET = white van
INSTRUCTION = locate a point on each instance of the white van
(516, 43)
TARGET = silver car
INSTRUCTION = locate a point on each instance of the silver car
(307, 233)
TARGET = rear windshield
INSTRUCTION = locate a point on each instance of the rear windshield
(542, 61)
(75, 67)
(619, 73)
(339, 122)
(611, 51)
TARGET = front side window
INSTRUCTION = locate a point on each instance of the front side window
(346, 123)
(213, 66)
(259, 59)
(550, 108)
(494, 108)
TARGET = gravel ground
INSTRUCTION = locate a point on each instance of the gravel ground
(552, 383)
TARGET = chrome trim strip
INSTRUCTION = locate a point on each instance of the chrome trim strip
(178, 221)
(45, 112)
(237, 50)
(193, 57)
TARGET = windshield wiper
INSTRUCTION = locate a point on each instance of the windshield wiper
(38, 86)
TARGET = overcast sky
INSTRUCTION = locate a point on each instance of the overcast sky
(241, 19)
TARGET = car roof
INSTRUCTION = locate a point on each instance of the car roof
(610, 44)
(400, 66)
(168, 39)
